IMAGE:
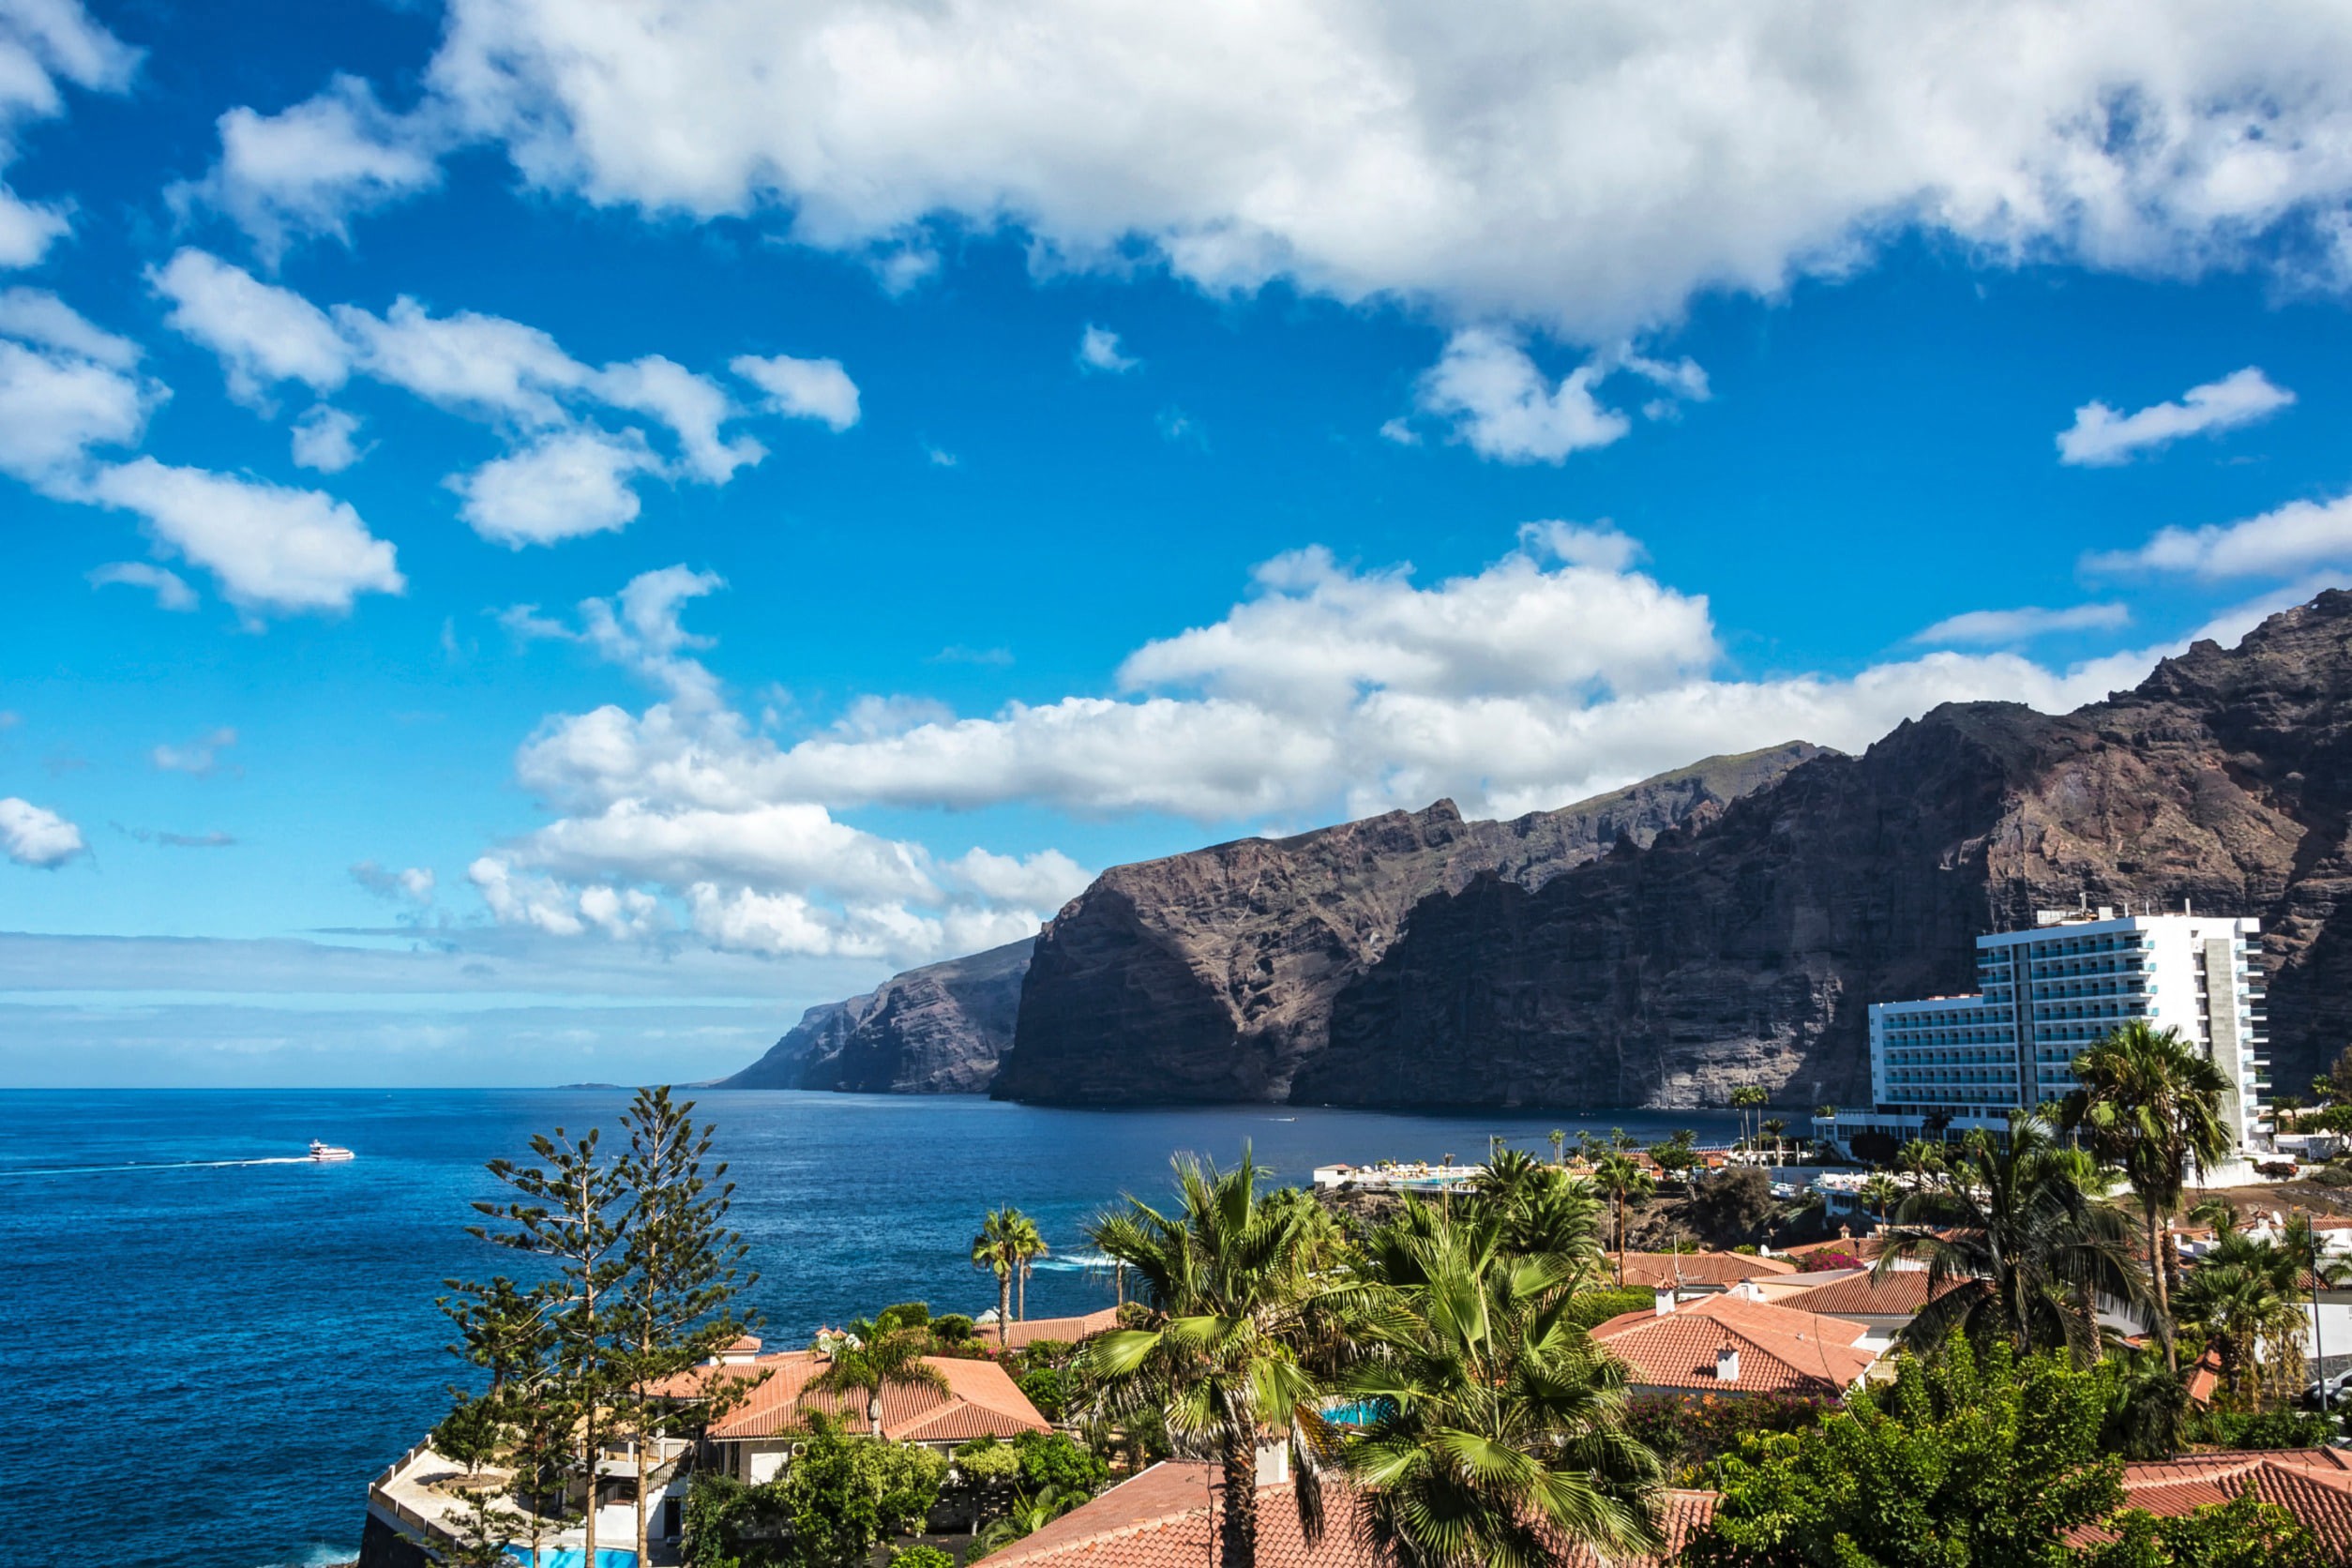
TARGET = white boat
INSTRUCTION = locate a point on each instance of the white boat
(325, 1153)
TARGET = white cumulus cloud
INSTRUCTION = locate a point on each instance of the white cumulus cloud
(1098, 350)
(802, 389)
(2101, 437)
(272, 548)
(324, 439)
(1498, 402)
(559, 487)
(412, 885)
(306, 169)
(1991, 626)
(37, 836)
(169, 589)
(2289, 540)
(262, 333)
(43, 45)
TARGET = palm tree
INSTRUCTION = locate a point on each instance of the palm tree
(1772, 1129)
(1508, 1174)
(998, 1248)
(1748, 1097)
(1920, 1160)
(2019, 1247)
(1028, 1513)
(876, 1364)
(1245, 1325)
(1030, 1242)
(2151, 1105)
(1560, 1145)
(1882, 1192)
(1499, 1434)
(1621, 1179)
(2287, 1105)
(2243, 1295)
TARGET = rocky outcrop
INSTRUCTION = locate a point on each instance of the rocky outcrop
(938, 1029)
(1210, 976)
(1749, 949)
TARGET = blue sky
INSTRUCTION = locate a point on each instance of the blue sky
(540, 540)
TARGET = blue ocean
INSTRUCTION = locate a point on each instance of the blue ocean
(209, 1345)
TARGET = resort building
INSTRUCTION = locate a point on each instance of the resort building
(1735, 1344)
(1955, 1063)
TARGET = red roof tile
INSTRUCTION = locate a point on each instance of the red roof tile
(2313, 1483)
(981, 1401)
(1781, 1349)
(1162, 1519)
(1031, 1330)
(1901, 1293)
(1654, 1269)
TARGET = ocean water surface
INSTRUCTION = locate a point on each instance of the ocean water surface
(206, 1362)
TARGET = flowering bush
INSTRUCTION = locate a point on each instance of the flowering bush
(1821, 1262)
(1688, 1432)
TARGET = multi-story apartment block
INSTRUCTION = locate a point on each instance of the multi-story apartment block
(2045, 994)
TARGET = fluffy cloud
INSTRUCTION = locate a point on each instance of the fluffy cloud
(1589, 166)
(169, 589)
(2019, 626)
(323, 438)
(1098, 350)
(56, 407)
(565, 475)
(262, 334)
(34, 836)
(749, 869)
(44, 43)
(559, 487)
(198, 759)
(271, 548)
(2296, 537)
(1498, 402)
(413, 885)
(37, 317)
(2101, 437)
(306, 169)
(802, 389)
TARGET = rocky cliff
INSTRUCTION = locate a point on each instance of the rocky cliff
(938, 1029)
(1211, 975)
(1749, 949)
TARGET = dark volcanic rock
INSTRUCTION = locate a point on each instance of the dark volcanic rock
(938, 1029)
(1749, 950)
(1210, 976)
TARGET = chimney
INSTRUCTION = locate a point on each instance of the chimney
(1665, 1300)
(1727, 1365)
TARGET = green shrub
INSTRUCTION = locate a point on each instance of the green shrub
(950, 1327)
(2245, 1532)
(1692, 1431)
(1591, 1308)
(905, 1315)
(2262, 1429)
(921, 1556)
(1051, 1459)
(985, 1461)
(1046, 1389)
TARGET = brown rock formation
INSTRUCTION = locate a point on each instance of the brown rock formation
(1749, 950)
(938, 1029)
(1210, 975)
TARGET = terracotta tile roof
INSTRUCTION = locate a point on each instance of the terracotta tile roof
(1162, 1519)
(1782, 1350)
(2313, 1483)
(1069, 1331)
(1901, 1293)
(981, 1400)
(1651, 1270)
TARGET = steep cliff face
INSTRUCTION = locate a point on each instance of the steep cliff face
(938, 1029)
(1210, 975)
(1750, 949)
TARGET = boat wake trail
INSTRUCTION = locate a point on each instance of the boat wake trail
(152, 1164)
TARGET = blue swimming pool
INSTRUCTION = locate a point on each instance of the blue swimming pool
(572, 1557)
(1360, 1412)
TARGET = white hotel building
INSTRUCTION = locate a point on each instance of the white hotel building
(2044, 995)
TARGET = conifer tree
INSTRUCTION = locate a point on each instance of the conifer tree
(683, 1268)
(569, 1211)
